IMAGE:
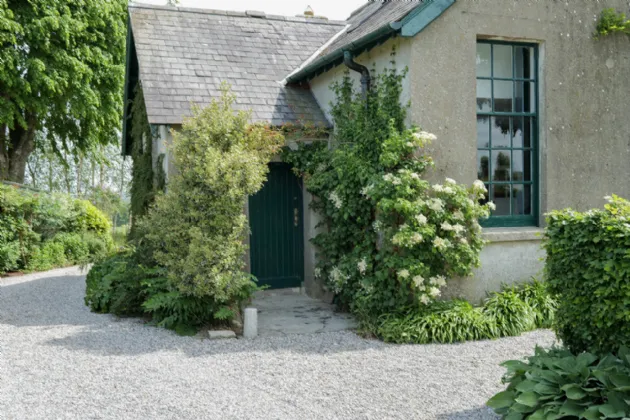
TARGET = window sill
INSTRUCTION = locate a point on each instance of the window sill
(512, 234)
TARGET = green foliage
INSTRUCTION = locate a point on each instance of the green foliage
(555, 384)
(142, 176)
(611, 22)
(187, 268)
(196, 229)
(61, 71)
(588, 267)
(511, 312)
(40, 231)
(391, 239)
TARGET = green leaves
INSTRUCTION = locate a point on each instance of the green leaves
(588, 269)
(554, 384)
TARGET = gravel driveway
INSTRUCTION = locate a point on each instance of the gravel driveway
(59, 361)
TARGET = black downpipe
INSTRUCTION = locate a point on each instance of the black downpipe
(365, 73)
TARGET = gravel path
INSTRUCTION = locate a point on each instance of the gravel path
(59, 361)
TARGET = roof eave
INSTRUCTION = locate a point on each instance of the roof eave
(412, 24)
(337, 55)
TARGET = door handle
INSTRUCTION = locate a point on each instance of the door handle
(296, 217)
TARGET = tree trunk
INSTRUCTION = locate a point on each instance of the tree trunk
(16, 148)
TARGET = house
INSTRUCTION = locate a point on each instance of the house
(518, 92)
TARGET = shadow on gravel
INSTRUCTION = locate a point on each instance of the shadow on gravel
(56, 304)
(481, 413)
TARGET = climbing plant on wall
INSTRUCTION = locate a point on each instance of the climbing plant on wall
(142, 176)
(610, 22)
(390, 240)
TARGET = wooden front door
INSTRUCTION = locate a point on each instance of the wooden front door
(277, 239)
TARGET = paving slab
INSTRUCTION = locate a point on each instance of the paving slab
(289, 312)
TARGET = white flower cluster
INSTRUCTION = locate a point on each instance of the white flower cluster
(422, 219)
(318, 273)
(479, 188)
(450, 181)
(438, 281)
(403, 274)
(446, 226)
(377, 226)
(436, 205)
(336, 200)
(366, 190)
(443, 189)
(418, 281)
(362, 266)
(492, 206)
(424, 136)
(441, 243)
(337, 278)
(392, 178)
(458, 215)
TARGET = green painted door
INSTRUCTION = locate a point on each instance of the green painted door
(277, 241)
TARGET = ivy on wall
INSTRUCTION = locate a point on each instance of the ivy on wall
(142, 177)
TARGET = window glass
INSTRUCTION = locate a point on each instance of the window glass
(506, 130)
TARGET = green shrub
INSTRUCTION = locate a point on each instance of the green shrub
(9, 256)
(556, 384)
(50, 255)
(87, 218)
(115, 286)
(75, 249)
(588, 268)
(442, 322)
(392, 240)
(35, 226)
(196, 229)
(511, 312)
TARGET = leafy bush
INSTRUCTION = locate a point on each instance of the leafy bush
(588, 267)
(187, 268)
(555, 384)
(50, 255)
(391, 240)
(511, 312)
(34, 227)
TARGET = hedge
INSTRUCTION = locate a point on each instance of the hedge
(588, 267)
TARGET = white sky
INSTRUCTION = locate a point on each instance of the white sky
(332, 9)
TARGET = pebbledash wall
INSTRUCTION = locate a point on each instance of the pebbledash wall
(583, 130)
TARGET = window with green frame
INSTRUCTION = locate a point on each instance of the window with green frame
(507, 130)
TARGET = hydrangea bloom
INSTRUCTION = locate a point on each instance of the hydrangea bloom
(492, 206)
(448, 190)
(425, 299)
(479, 186)
(362, 266)
(418, 281)
(416, 238)
(403, 274)
(446, 226)
(436, 205)
(425, 136)
(437, 188)
(458, 215)
(438, 281)
(458, 229)
(336, 200)
(421, 218)
(434, 291)
(450, 181)
(441, 243)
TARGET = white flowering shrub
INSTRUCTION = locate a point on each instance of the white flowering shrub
(390, 240)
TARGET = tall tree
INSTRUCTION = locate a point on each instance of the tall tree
(61, 72)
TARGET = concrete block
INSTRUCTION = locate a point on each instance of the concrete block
(220, 334)
(250, 324)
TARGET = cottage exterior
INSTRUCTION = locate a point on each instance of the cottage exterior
(519, 94)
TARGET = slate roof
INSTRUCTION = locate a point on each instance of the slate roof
(369, 18)
(184, 55)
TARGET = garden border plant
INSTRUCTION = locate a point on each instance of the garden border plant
(588, 269)
(186, 270)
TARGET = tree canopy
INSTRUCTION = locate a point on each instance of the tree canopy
(61, 73)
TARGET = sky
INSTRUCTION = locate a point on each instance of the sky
(332, 9)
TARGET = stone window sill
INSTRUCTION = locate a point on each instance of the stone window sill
(512, 234)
